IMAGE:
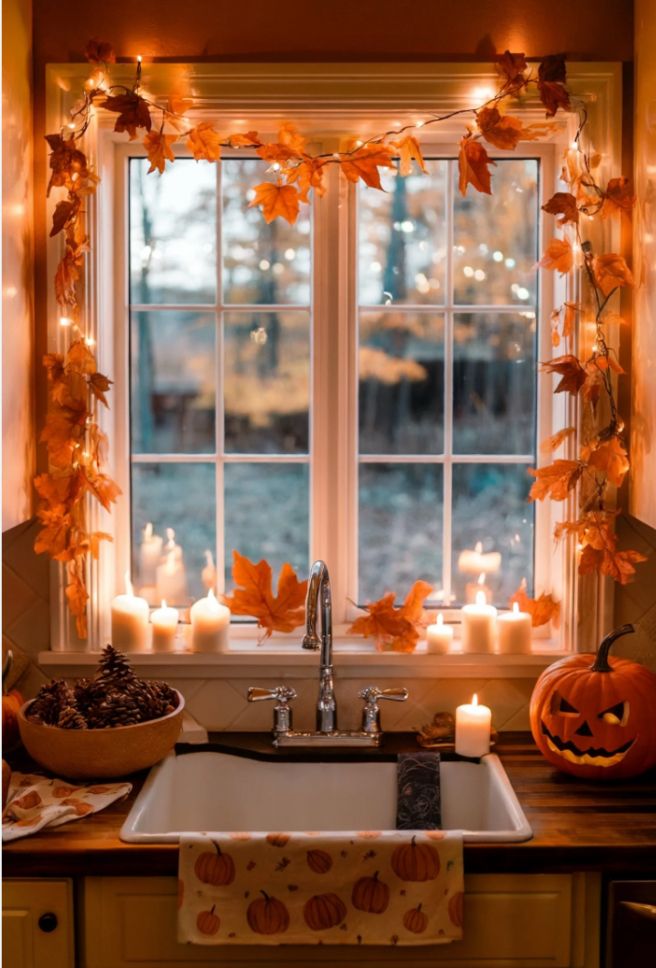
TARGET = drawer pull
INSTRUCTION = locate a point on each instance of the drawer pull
(48, 922)
(642, 910)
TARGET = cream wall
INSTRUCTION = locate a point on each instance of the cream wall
(17, 265)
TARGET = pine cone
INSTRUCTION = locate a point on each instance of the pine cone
(116, 709)
(50, 700)
(70, 718)
(114, 667)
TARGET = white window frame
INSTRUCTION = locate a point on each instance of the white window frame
(334, 96)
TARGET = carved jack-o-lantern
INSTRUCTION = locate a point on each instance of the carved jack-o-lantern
(592, 715)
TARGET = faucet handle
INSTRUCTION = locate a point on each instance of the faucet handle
(371, 712)
(282, 711)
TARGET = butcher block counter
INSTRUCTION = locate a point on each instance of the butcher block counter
(577, 825)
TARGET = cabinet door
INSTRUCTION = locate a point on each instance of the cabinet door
(37, 924)
(511, 921)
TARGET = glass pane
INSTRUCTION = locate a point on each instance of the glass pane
(178, 496)
(173, 233)
(400, 524)
(490, 506)
(261, 263)
(494, 383)
(495, 237)
(172, 382)
(266, 382)
(401, 397)
(267, 513)
(402, 241)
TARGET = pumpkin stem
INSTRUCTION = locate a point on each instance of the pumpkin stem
(212, 909)
(375, 876)
(601, 663)
(418, 907)
(266, 896)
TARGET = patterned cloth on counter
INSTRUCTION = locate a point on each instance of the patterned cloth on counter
(35, 802)
(394, 887)
(418, 804)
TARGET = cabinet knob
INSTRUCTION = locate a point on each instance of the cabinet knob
(48, 922)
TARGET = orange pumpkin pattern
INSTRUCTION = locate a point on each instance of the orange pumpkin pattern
(319, 861)
(416, 862)
(267, 915)
(456, 908)
(415, 920)
(370, 895)
(28, 801)
(324, 911)
(217, 869)
(278, 840)
(208, 922)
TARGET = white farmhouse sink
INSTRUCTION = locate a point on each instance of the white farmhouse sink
(221, 792)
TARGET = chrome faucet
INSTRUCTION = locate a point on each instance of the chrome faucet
(319, 595)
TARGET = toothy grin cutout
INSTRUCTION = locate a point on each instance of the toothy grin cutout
(591, 757)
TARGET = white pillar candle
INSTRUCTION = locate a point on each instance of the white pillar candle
(514, 630)
(478, 625)
(208, 574)
(472, 588)
(129, 620)
(210, 621)
(439, 637)
(473, 729)
(171, 579)
(164, 621)
(473, 562)
(150, 553)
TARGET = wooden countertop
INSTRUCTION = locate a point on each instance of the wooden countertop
(577, 825)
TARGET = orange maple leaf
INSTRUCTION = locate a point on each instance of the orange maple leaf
(253, 595)
(80, 358)
(132, 110)
(555, 480)
(158, 150)
(394, 628)
(611, 271)
(473, 161)
(99, 52)
(563, 204)
(365, 162)
(409, 150)
(276, 200)
(551, 444)
(204, 142)
(569, 368)
(309, 175)
(552, 76)
(609, 457)
(558, 255)
(500, 130)
(511, 67)
(617, 198)
(542, 610)
(77, 598)
(248, 139)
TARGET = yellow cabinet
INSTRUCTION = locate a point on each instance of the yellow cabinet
(37, 924)
(511, 921)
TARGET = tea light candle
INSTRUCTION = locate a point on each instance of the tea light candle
(473, 562)
(129, 620)
(164, 627)
(208, 574)
(478, 625)
(439, 637)
(514, 631)
(210, 621)
(473, 587)
(473, 724)
(171, 579)
(150, 553)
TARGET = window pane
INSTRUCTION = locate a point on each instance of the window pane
(173, 233)
(261, 263)
(494, 384)
(267, 514)
(495, 237)
(172, 376)
(266, 382)
(490, 506)
(401, 399)
(178, 496)
(402, 241)
(400, 527)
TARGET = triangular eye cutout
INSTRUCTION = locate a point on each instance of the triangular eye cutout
(616, 715)
(560, 705)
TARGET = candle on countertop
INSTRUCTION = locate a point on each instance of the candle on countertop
(150, 553)
(164, 621)
(514, 631)
(473, 562)
(210, 621)
(478, 625)
(208, 574)
(472, 588)
(129, 620)
(473, 723)
(171, 579)
(439, 637)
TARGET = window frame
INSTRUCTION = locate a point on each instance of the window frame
(335, 95)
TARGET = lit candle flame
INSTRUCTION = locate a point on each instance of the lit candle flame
(163, 605)
(440, 618)
(515, 608)
(480, 598)
(474, 701)
(481, 579)
(148, 531)
(209, 558)
(129, 590)
(478, 547)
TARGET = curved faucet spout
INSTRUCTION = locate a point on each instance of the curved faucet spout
(319, 597)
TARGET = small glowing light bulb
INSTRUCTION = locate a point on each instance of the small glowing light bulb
(138, 58)
(419, 124)
(71, 125)
(65, 320)
(359, 143)
(90, 341)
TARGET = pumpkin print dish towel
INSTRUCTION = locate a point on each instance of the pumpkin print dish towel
(35, 802)
(395, 887)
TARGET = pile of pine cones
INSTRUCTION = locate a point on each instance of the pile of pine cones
(114, 697)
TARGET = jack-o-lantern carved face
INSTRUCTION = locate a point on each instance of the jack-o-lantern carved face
(592, 716)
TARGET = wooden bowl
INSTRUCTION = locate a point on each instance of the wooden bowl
(100, 753)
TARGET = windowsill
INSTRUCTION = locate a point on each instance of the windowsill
(283, 660)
